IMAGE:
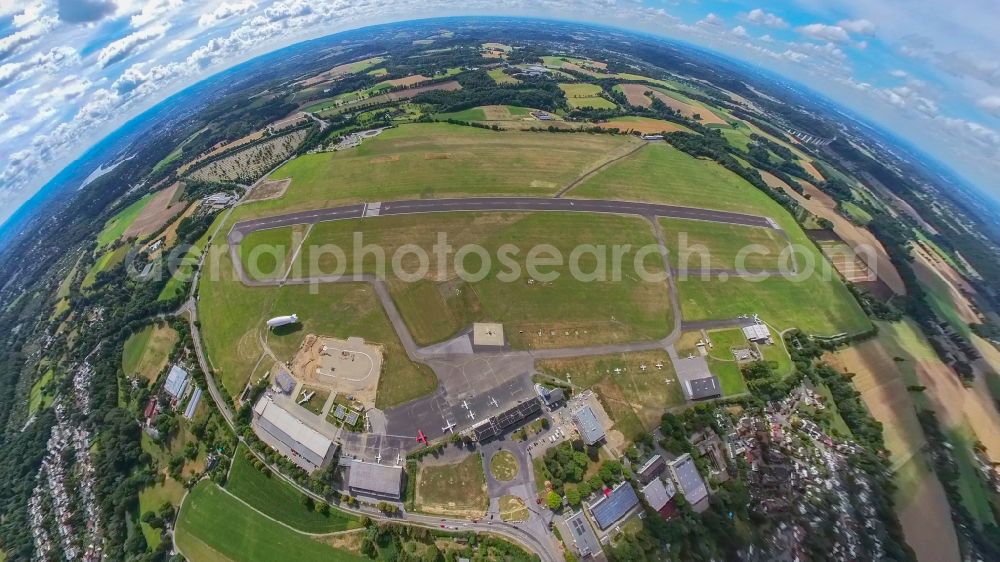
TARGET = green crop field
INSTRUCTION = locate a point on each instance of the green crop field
(438, 159)
(855, 212)
(607, 310)
(146, 352)
(271, 495)
(707, 245)
(471, 114)
(213, 525)
(116, 225)
(585, 95)
(232, 316)
(660, 173)
(180, 278)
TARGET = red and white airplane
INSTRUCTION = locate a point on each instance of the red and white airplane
(421, 438)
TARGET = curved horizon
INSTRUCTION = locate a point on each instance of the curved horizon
(16, 198)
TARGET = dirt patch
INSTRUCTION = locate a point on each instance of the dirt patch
(458, 490)
(160, 209)
(635, 94)
(437, 155)
(170, 234)
(349, 367)
(412, 80)
(512, 509)
(384, 159)
(269, 189)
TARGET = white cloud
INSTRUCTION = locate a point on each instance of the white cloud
(825, 32)
(794, 56)
(226, 10)
(177, 44)
(26, 36)
(740, 31)
(154, 10)
(760, 17)
(711, 20)
(860, 26)
(131, 44)
(990, 104)
(766, 38)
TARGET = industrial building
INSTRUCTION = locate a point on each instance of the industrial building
(375, 480)
(685, 473)
(613, 506)
(658, 493)
(697, 382)
(176, 383)
(589, 426)
(582, 536)
(290, 436)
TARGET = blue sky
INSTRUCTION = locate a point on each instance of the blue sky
(71, 71)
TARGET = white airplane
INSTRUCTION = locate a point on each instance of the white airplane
(399, 459)
(465, 404)
(448, 426)
(378, 457)
(642, 367)
(307, 396)
(472, 415)
(659, 365)
(494, 402)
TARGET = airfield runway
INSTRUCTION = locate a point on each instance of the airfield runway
(415, 206)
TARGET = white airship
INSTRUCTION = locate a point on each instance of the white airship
(282, 321)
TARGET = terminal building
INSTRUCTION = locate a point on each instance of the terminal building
(290, 436)
(589, 426)
(496, 425)
(373, 480)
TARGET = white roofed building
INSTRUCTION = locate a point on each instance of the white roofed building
(290, 436)
(176, 383)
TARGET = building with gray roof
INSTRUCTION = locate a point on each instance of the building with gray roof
(588, 425)
(291, 436)
(613, 506)
(284, 381)
(177, 382)
(582, 536)
(685, 473)
(651, 469)
(375, 480)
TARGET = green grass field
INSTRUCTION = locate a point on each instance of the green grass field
(146, 352)
(708, 245)
(41, 396)
(458, 489)
(974, 491)
(471, 114)
(232, 315)
(585, 95)
(151, 498)
(503, 466)
(855, 212)
(180, 278)
(660, 173)
(608, 310)
(118, 224)
(436, 160)
(498, 76)
(271, 495)
(107, 260)
(214, 525)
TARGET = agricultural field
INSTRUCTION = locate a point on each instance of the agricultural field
(644, 125)
(457, 490)
(214, 525)
(341, 70)
(276, 498)
(147, 351)
(700, 245)
(376, 95)
(856, 213)
(116, 225)
(585, 95)
(248, 164)
(688, 107)
(634, 398)
(181, 276)
(436, 160)
(537, 313)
